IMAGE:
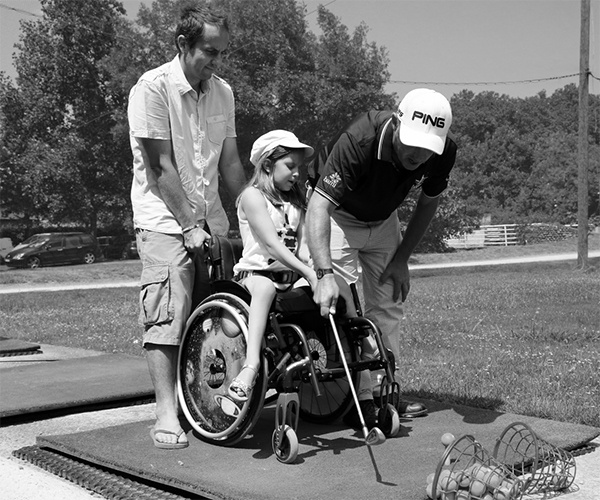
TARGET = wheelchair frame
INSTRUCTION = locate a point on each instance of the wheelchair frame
(301, 368)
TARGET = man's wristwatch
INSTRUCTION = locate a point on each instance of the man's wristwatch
(191, 228)
(323, 272)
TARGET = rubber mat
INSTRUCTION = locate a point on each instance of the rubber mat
(333, 461)
(17, 347)
(73, 383)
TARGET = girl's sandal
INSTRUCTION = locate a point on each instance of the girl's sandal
(238, 389)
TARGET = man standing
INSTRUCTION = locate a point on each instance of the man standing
(182, 132)
(364, 174)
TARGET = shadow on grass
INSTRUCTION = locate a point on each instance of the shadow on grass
(477, 410)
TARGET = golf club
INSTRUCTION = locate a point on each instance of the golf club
(374, 436)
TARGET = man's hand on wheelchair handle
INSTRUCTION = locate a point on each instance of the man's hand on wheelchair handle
(196, 241)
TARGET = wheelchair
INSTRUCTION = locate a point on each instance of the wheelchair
(301, 367)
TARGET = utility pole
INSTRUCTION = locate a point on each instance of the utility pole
(583, 156)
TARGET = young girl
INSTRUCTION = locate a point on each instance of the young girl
(271, 215)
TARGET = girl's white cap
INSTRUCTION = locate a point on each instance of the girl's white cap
(269, 141)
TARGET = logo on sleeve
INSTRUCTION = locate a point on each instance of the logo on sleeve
(332, 179)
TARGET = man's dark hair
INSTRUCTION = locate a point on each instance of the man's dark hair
(192, 21)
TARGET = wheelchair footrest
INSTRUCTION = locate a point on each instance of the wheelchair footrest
(358, 331)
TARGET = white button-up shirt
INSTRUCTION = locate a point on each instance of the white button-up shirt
(163, 105)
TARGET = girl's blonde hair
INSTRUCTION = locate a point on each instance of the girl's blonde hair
(262, 179)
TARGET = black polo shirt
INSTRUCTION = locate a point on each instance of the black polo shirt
(359, 171)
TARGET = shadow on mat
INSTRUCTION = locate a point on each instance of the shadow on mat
(318, 438)
(320, 442)
(314, 439)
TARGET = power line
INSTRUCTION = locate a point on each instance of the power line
(3, 6)
(508, 82)
(324, 5)
(406, 82)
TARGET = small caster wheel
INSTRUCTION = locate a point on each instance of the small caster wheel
(389, 420)
(286, 450)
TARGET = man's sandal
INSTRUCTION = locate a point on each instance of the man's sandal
(240, 390)
(178, 445)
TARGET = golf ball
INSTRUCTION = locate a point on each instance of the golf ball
(477, 488)
(447, 439)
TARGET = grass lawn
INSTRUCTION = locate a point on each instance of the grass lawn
(526, 342)
(523, 340)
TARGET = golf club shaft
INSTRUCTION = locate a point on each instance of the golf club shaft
(350, 382)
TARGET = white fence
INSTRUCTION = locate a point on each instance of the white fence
(487, 235)
(504, 234)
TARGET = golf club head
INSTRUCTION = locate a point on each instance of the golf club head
(374, 437)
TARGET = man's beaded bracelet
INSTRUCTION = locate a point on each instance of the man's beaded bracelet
(188, 229)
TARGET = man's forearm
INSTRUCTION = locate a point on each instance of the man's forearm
(417, 226)
(231, 168)
(234, 180)
(168, 182)
(318, 234)
(171, 190)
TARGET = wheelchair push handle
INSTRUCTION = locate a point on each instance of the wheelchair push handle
(356, 299)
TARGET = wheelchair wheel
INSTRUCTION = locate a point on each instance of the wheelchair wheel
(336, 395)
(211, 354)
(287, 449)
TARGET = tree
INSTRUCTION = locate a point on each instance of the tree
(71, 157)
(65, 154)
(517, 157)
(14, 180)
(282, 75)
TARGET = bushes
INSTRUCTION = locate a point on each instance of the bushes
(539, 233)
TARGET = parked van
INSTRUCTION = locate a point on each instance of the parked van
(47, 249)
(118, 247)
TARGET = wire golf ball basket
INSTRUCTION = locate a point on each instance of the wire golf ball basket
(541, 466)
(468, 471)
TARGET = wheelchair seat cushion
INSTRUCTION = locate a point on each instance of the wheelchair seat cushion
(295, 300)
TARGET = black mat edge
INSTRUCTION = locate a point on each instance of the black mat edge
(197, 491)
(9, 419)
(95, 478)
(21, 352)
(73, 407)
(19, 347)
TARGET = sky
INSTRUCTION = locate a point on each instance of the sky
(513, 47)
